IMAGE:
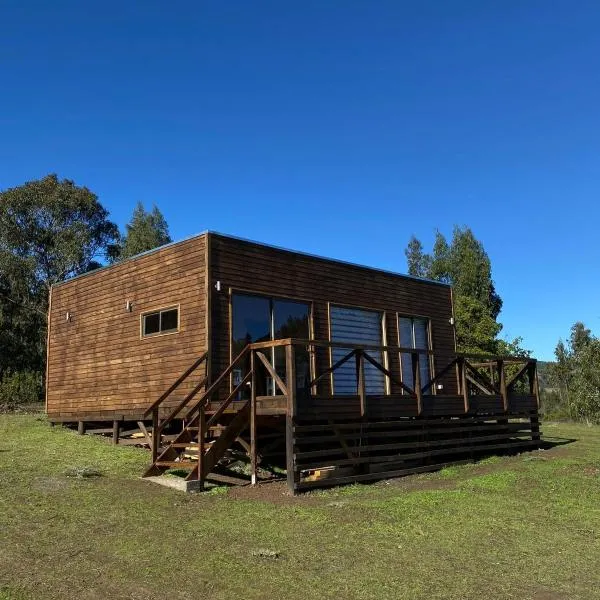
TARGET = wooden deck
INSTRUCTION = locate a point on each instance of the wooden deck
(334, 439)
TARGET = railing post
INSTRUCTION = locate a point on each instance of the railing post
(201, 439)
(534, 388)
(253, 417)
(464, 384)
(290, 379)
(360, 382)
(502, 382)
(155, 434)
(417, 381)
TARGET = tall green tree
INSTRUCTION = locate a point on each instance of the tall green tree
(576, 374)
(465, 265)
(419, 263)
(145, 231)
(50, 230)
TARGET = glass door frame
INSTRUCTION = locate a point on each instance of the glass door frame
(271, 298)
(430, 361)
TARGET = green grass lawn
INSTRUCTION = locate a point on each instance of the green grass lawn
(526, 526)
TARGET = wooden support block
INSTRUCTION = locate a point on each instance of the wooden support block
(80, 427)
(115, 432)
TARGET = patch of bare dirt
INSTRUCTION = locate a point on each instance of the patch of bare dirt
(274, 492)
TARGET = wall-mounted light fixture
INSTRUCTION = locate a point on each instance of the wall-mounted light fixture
(68, 317)
(129, 306)
(451, 320)
(218, 286)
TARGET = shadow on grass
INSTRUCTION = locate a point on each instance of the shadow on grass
(548, 443)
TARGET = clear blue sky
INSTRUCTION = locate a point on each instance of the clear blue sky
(335, 127)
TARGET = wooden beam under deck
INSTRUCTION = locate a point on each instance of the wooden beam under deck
(392, 405)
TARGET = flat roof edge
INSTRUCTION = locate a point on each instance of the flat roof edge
(264, 245)
(329, 259)
(132, 258)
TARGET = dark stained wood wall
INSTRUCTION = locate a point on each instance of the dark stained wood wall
(98, 365)
(253, 267)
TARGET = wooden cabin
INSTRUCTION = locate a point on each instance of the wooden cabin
(217, 346)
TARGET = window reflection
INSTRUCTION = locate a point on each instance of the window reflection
(414, 333)
(260, 319)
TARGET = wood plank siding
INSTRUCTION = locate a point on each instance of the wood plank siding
(99, 366)
(98, 363)
(245, 266)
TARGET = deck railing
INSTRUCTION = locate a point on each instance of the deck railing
(471, 374)
(472, 377)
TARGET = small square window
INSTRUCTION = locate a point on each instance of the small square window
(160, 321)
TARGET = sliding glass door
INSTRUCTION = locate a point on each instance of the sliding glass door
(414, 333)
(261, 319)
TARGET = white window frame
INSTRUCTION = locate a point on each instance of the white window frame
(159, 311)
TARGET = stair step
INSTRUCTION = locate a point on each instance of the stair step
(213, 429)
(175, 464)
(190, 444)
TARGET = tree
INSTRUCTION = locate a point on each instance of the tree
(50, 230)
(476, 329)
(465, 265)
(145, 231)
(419, 263)
(584, 399)
(576, 374)
(439, 269)
(581, 336)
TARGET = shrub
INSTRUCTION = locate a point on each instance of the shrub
(20, 388)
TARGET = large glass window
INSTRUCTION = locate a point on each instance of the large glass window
(291, 320)
(260, 319)
(356, 326)
(414, 333)
(251, 321)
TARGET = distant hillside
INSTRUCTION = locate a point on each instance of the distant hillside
(543, 368)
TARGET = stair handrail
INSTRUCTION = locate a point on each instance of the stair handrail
(205, 397)
(176, 384)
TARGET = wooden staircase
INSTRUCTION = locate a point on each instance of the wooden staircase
(209, 431)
